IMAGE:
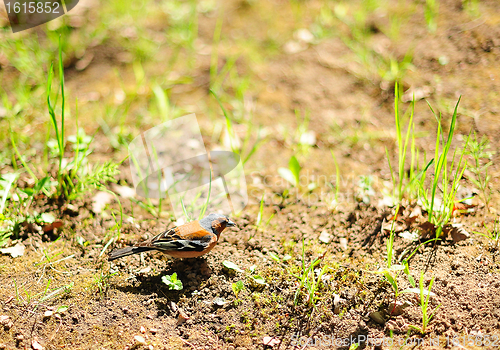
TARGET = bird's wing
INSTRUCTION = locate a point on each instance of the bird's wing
(188, 237)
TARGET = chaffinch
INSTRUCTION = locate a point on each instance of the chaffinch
(190, 240)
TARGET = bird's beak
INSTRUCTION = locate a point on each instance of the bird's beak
(230, 223)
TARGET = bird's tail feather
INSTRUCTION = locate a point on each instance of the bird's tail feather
(120, 253)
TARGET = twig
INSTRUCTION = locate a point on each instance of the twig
(188, 343)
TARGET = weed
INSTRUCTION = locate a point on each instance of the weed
(309, 278)
(391, 272)
(27, 299)
(406, 183)
(231, 266)
(237, 287)
(172, 282)
(101, 282)
(365, 190)
(58, 130)
(440, 214)
(337, 180)
(354, 346)
(377, 65)
(472, 6)
(6, 225)
(431, 13)
(493, 234)
(259, 225)
(481, 161)
(425, 294)
(304, 138)
(402, 145)
(292, 173)
(240, 148)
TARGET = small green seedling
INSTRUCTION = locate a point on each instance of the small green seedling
(231, 266)
(391, 274)
(431, 13)
(172, 282)
(425, 294)
(62, 309)
(481, 161)
(354, 346)
(445, 178)
(238, 287)
(307, 278)
(259, 279)
(493, 234)
(292, 173)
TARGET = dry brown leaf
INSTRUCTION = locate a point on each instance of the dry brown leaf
(427, 230)
(457, 232)
(183, 317)
(52, 226)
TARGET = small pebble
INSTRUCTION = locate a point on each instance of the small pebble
(182, 317)
(139, 340)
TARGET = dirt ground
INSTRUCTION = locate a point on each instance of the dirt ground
(124, 304)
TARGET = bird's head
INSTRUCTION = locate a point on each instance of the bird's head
(216, 223)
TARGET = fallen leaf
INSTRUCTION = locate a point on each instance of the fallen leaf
(100, 200)
(378, 317)
(457, 232)
(139, 339)
(15, 251)
(418, 93)
(398, 308)
(459, 208)
(415, 214)
(389, 225)
(343, 243)
(52, 226)
(427, 230)
(325, 237)
(410, 236)
(271, 341)
(183, 317)
(124, 191)
(36, 345)
(336, 303)
(304, 35)
(231, 266)
(308, 138)
(84, 62)
(220, 301)
(47, 218)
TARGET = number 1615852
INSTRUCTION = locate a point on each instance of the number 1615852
(32, 7)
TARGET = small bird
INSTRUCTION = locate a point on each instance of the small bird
(190, 240)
